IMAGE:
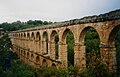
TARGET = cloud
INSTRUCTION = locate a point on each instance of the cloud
(53, 10)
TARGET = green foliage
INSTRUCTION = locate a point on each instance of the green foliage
(52, 71)
(92, 41)
(95, 68)
(18, 25)
(21, 70)
(70, 43)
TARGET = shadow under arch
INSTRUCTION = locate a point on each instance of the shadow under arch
(32, 57)
(54, 44)
(28, 55)
(89, 42)
(38, 42)
(68, 40)
(28, 36)
(37, 59)
(111, 39)
(83, 34)
(114, 48)
(44, 63)
(24, 54)
(38, 37)
(53, 65)
(24, 36)
(45, 42)
(32, 38)
(21, 35)
(21, 52)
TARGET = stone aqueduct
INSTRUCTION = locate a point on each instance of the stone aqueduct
(30, 44)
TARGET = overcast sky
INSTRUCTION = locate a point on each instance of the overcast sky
(53, 10)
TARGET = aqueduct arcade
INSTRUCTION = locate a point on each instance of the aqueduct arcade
(36, 46)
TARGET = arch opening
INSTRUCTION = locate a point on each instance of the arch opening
(32, 36)
(28, 39)
(21, 35)
(38, 43)
(33, 48)
(44, 63)
(28, 55)
(68, 38)
(114, 44)
(45, 42)
(38, 36)
(53, 65)
(24, 36)
(55, 39)
(32, 56)
(28, 36)
(90, 39)
(37, 59)
(24, 54)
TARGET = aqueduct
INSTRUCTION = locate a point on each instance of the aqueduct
(32, 48)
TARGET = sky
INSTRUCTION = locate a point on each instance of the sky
(53, 10)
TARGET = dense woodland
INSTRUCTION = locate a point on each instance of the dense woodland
(11, 66)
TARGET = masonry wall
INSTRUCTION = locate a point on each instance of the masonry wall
(31, 45)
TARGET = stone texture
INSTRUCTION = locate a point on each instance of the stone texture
(106, 31)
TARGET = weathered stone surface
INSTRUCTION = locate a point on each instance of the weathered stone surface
(105, 29)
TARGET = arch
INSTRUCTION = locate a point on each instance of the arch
(24, 54)
(38, 42)
(111, 39)
(53, 33)
(32, 36)
(21, 35)
(82, 34)
(38, 37)
(68, 46)
(64, 35)
(53, 65)
(28, 55)
(113, 46)
(45, 42)
(24, 35)
(32, 57)
(45, 34)
(28, 35)
(21, 52)
(37, 59)
(89, 43)
(54, 38)
(44, 63)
